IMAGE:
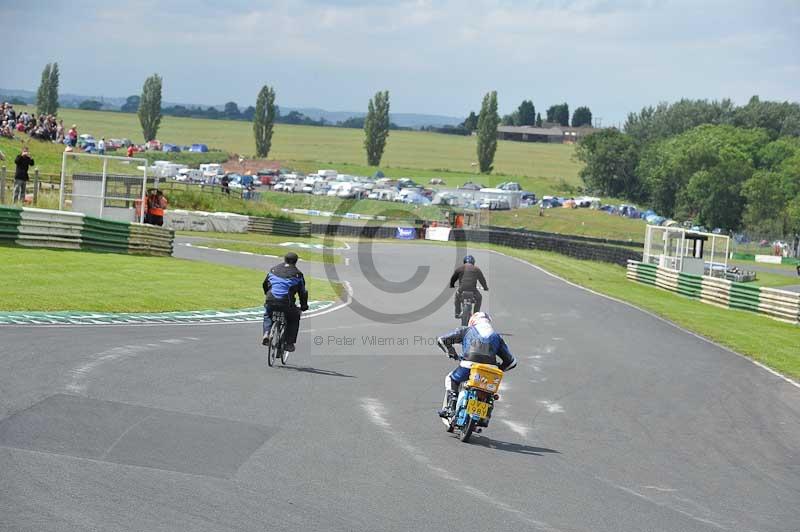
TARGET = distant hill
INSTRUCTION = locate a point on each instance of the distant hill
(412, 120)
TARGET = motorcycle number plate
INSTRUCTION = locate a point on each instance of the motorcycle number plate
(477, 407)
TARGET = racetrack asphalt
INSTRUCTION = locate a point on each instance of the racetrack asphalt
(613, 421)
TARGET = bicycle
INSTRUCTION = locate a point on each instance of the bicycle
(277, 339)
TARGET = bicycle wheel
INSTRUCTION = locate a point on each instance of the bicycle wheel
(271, 351)
(284, 353)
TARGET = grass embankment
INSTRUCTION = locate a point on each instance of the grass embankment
(581, 222)
(541, 167)
(271, 250)
(259, 238)
(51, 280)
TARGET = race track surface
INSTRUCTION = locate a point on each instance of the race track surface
(613, 421)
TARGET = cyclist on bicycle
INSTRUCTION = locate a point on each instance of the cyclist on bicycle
(468, 276)
(282, 283)
(480, 344)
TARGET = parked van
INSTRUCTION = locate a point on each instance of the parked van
(211, 170)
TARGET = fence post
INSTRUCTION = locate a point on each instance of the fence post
(35, 186)
(3, 184)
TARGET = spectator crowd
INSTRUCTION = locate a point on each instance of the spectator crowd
(42, 127)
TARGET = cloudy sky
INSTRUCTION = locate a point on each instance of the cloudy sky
(434, 57)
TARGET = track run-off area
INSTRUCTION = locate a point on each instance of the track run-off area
(614, 420)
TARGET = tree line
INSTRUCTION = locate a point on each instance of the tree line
(709, 161)
(526, 115)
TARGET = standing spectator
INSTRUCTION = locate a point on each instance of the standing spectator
(23, 162)
(72, 135)
(60, 132)
(225, 188)
(101, 146)
(130, 150)
(156, 205)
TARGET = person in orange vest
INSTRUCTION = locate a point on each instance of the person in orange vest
(157, 203)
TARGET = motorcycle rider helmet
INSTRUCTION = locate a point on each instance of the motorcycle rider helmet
(469, 259)
(290, 258)
(479, 317)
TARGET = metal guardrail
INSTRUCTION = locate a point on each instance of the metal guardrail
(67, 230)
(778, 304)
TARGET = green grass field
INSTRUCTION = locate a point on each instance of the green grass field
(408, 153)
(50, 280)
(272, 250)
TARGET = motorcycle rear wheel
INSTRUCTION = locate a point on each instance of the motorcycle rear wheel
(466, 432)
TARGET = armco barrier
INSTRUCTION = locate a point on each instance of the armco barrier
(515, 239)
(9, 223)
(150, 240)
(105, 235)
(578, 238)
(50, 229)
(70, 230)
(778, 304)
(273, 226)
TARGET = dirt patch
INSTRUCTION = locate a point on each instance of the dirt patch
(249, 166)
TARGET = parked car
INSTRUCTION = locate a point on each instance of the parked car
(170, 148)
(510, 186)
(436, 181)
(549, 202)
(198, 148)
(85, 139)
(469, 185)
(152, 145)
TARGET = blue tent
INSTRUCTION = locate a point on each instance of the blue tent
(170, 148)
(200, 148)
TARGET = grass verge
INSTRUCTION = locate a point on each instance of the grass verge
(50, 280)
(276, 251)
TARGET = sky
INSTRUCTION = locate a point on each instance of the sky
(434, 57)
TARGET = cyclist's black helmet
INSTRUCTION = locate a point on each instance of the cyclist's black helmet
(469, 259)
(290, 258)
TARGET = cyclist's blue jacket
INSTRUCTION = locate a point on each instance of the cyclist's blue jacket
(481, 344)
(282, 283)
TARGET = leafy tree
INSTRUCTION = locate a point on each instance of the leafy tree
(264, 120)
(526, 114)
(213, 113)
(150, 107)
(47, 94)
(90, 105)
(52, 93)
(652, 124)
(700, 173)
(510, 120)
(610, 159)
(376, 127)
(249, 113)
(779, 118)
(42, 94)
(539, 120)
(471, 122)
(355, 122)
(582, 117)
(558, 114)
(231, 111)
(773, 193)
(131, 104)
(488, 121)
